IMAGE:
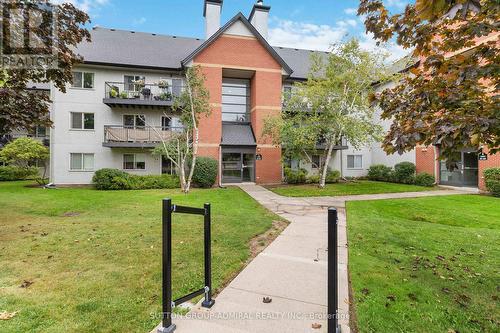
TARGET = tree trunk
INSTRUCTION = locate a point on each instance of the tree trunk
(193, 160)
(322, 180)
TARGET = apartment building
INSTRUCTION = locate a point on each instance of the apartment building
(120, 103)
(120, 106)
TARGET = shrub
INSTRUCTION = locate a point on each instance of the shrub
(332, 176)
(379, 172)
(136, 182)
(313, 179)
(492, 181)
(24, 152)
(424, 179)
(113, 179)
(109, 179)
(404, 172)
(205, 172)
(9, 173)
(295, 176)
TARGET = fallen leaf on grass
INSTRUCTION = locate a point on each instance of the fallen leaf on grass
(412, 296)
(4, 315)
(391, 298)
(26, 284)
(365, 291)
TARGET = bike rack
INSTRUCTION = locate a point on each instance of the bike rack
(167, 303)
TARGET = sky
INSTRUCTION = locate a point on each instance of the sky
(306, 24)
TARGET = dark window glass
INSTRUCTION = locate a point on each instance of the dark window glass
(88, 121)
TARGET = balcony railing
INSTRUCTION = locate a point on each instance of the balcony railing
(140, 94)
(143, 137)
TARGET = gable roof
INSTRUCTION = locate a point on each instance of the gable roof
(249, 26)
(136, 49)
(113, 47)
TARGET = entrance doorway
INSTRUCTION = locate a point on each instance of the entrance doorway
(467, 171)
(238, 166)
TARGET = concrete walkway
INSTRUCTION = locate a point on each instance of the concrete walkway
(292, 271)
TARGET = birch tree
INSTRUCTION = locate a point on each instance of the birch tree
(331, 106)
(181, 146)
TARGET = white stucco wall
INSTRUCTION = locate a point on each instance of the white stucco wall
(64, 141)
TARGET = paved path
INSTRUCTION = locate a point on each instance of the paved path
(292, 271)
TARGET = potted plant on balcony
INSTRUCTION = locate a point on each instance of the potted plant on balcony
(163, 84)
(139, 83)
(166, 96)
(113, 93)
(124, 95)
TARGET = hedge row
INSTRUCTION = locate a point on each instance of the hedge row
(300, 176)
(205, 175)
(113, 179)
(404, 173)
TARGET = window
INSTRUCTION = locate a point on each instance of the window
(82, 162)
(40, 132)
(317, 161)
(81, 120)
(287, 93)
(235, 100)
(83, 80)
(166, 123)
(134, 121)
(354, 161)
(130, 82)
(134, 161)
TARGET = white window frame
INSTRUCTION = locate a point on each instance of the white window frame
(82, 80)
(135, 162)
(354, 167)
(135, 86)
(82, 169)
(135, 115)
(72, 114)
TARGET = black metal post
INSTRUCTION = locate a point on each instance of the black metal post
(208, 302)
(166, 325)
(333, 302)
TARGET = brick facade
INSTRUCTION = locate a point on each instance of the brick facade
(492, 162)
(426, 160)
(245, 53)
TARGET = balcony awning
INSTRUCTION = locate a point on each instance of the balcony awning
(235, 134)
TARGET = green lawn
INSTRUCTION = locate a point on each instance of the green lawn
(94, 257)
(425, 265)
(349, 188)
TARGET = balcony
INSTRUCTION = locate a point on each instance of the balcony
(140, 95)
(137, 137)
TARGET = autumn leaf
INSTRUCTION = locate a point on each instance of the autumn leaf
(4, 315)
